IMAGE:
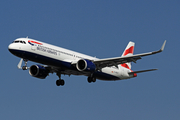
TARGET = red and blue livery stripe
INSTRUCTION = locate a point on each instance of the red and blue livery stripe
(31, 42)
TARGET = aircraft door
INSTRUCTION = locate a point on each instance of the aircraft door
(33, 47)
(74, 56)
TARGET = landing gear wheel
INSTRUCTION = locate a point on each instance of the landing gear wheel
(24, 67)
(60, 82)
(89, 79)
(93, 79)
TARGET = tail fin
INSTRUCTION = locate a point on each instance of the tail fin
(129, 49)
(127, 52)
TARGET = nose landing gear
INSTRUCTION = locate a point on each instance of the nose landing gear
(25, 66)
(20, 64)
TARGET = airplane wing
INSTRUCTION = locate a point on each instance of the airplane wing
(101, 63)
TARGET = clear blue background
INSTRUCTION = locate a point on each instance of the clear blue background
(99, 28)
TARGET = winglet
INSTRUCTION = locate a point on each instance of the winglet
(162, 48)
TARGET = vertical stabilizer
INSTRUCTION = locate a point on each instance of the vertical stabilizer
(127, 52)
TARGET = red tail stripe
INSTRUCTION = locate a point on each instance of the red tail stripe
(125, 65)
(130, 50)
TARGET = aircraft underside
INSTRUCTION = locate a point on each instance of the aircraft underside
(61, 67)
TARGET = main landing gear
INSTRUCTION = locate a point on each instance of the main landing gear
(60, 81)
(91, 79)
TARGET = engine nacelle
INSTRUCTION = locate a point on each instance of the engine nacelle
(38, 71)
(85, 65)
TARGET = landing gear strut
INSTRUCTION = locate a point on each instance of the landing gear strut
(60, 81)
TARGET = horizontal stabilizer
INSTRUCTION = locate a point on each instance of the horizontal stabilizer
(142, 71)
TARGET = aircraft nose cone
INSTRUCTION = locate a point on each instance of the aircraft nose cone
(14, 49)
(10, 47)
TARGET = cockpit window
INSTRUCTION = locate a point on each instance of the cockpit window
(19, 41)
(16, 41)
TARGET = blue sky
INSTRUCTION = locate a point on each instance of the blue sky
(100, 28)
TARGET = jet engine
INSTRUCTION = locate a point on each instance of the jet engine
(38, 71)
(85, 65)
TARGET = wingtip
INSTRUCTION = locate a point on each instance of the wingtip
(162, 48)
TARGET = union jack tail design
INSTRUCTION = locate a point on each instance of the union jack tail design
(127, 52)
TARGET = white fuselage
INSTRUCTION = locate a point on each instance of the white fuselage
(62, 59)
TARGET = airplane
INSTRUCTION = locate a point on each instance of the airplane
(53, 59)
